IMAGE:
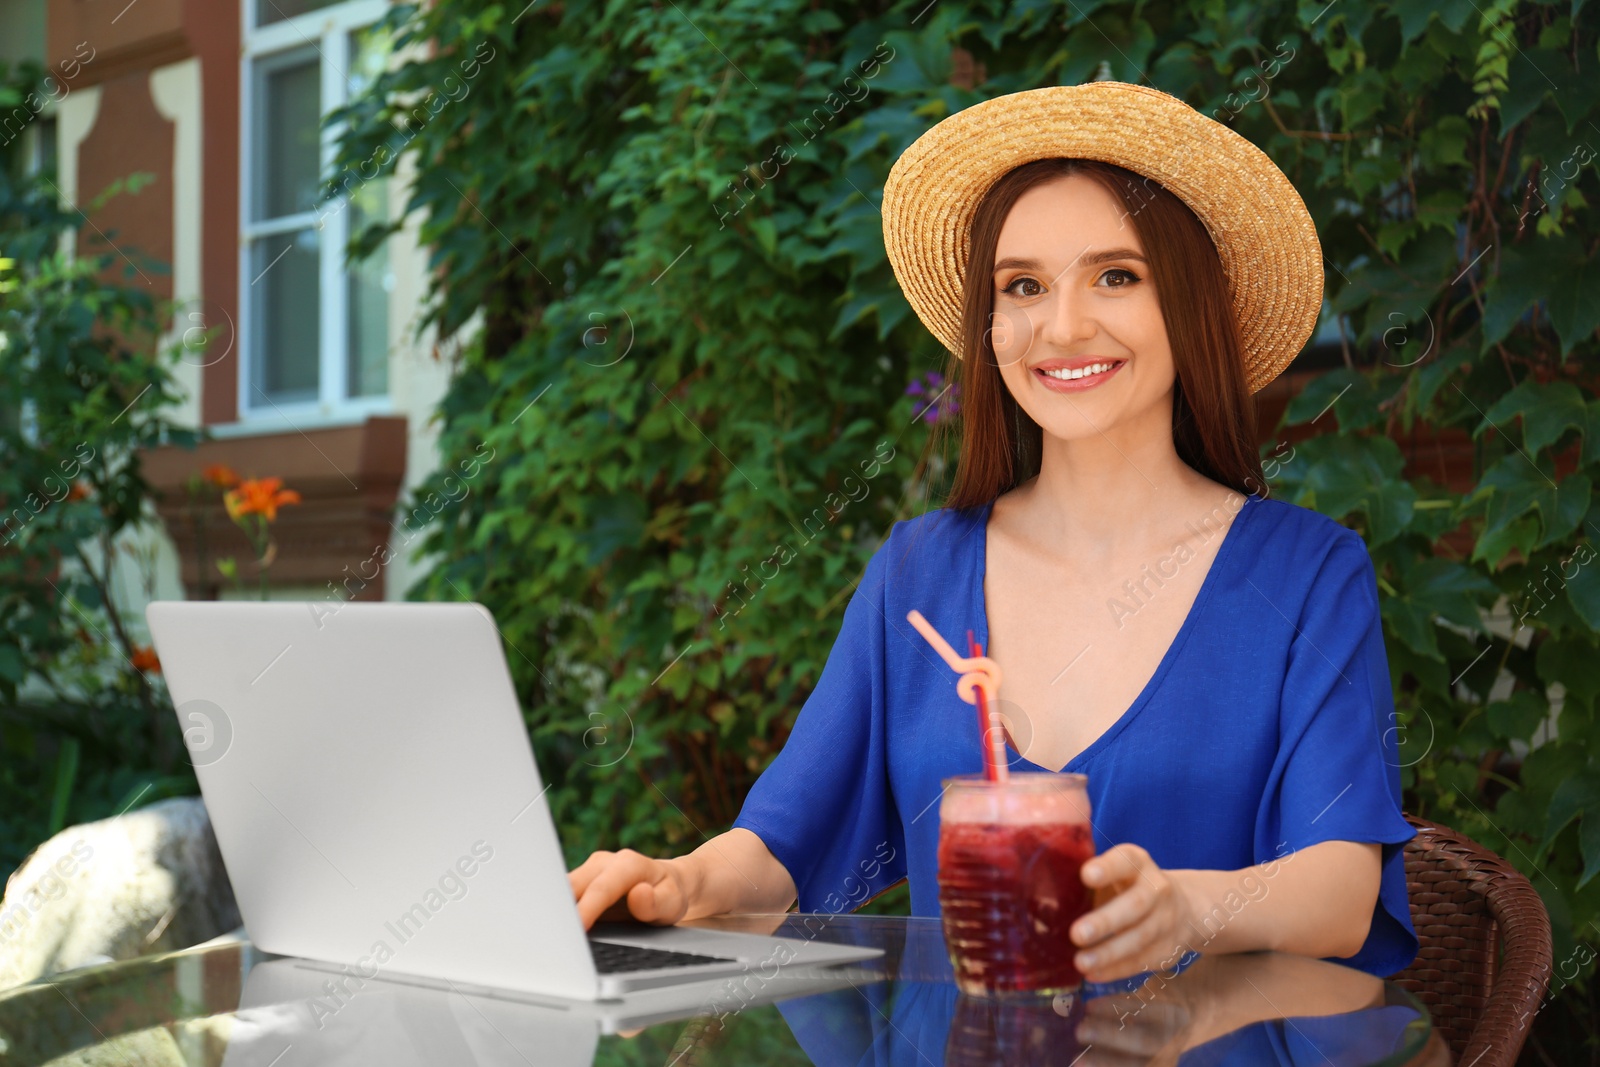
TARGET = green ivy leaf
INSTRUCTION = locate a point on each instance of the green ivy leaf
(1576, 91)
(1451, 590)
(1578, 798)
(1575, 302)
(919, 63)
(1412, 623)
(1431, 374)
(1518, 716)
(1523, 279)
(1442, 209)
(1338, 475)
(1547, 410)
(12, 667)
(615, 521)
(766, 233)
(1591, 433)
(1515, 487)
(1569, 660)
(853, 311)
(1583, 588)
(1344, 390)
(1526, 86)
(1431, 589)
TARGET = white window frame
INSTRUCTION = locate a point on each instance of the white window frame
(328, 29)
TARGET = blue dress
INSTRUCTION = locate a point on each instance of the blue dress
(1267, 727)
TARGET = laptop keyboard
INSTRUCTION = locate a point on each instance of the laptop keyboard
(612, 958)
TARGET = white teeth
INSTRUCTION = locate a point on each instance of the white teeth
(1081, 372)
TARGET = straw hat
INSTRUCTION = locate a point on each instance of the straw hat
(1264, 234)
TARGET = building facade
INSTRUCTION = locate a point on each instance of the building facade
(313, 371)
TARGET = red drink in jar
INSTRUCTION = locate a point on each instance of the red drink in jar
(1009, 884)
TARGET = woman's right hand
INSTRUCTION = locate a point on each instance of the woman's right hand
(627, 884)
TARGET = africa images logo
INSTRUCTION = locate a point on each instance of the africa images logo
(207, 731)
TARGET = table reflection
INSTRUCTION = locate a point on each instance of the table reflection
(232, 1006)
(1217, 1011)
(1253, 1008)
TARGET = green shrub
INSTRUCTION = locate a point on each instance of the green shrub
(83, 386)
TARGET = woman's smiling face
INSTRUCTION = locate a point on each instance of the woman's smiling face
(1073, 294)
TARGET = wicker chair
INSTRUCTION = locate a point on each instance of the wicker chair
(1485, 958)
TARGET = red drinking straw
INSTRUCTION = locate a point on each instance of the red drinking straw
(988, 735)
(980, 680)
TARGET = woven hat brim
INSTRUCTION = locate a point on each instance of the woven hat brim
(1265, 237)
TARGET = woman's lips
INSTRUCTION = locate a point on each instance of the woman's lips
(1077, 385)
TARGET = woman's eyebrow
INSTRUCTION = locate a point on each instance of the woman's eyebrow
(1089, 259)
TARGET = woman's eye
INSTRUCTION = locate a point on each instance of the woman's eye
(1013, 289)
(1123, 277)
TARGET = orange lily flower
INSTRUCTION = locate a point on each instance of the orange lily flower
(145, 659)
(220, 476)
(259, 496)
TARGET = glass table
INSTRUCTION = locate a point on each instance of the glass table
(227, 1003)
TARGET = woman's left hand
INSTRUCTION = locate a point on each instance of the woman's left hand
(1144, 927)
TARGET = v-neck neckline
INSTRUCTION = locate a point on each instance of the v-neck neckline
(981, 546)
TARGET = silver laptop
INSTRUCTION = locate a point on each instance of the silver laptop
(374, 795)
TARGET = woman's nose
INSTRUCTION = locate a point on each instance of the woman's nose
(1069, 318)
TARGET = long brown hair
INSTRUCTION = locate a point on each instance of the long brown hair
(1213, 416)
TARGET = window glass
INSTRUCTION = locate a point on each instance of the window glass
(299, 279)
(288, 115)
(270, 11)
(285, 316)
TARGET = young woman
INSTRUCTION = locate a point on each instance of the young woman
(1115, 275)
